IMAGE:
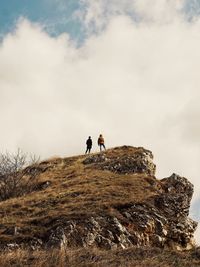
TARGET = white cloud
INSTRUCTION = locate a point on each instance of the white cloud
(137, 82)
(96, 14)
(164, 11)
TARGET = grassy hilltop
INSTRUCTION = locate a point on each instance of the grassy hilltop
(80, 196)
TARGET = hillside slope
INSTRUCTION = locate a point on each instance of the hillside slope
(107, 200)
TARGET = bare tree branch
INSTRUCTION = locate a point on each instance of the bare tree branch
(13, 181)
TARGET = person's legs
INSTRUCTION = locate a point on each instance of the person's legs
(104, 146)
(86, 150)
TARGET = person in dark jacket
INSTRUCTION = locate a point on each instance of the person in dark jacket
(89, 145)
(101, 142)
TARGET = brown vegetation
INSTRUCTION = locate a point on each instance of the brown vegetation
(67, 188)
(133, 257)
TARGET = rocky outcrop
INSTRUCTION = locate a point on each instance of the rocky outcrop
(132, 160)
(157, 216)
(162, 222)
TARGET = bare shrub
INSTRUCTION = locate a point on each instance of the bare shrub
(13, 181)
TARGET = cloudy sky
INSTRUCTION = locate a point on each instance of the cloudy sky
(128, 69)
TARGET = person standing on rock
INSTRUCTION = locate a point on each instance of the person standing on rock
(101, 142)
(89, 145)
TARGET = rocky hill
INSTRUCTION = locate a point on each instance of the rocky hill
(106, 200)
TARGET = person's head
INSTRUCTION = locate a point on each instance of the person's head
(100, 135)
(89, 137)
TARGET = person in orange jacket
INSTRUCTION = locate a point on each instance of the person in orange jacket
(101, 142)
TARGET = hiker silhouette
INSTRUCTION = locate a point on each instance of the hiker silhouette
(89, 145)
(101, 142)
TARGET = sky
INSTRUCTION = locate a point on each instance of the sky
(127, 69)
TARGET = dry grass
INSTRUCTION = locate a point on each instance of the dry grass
(135, 257)
(75, 190)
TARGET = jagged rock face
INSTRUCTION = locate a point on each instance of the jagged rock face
(161, 222)
(175, 200)
(138, 160)
(122, 203)
(104, 232)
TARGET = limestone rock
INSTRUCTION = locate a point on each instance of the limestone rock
(161, 222)
(108, 200)
(137, 160)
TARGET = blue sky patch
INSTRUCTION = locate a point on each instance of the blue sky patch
(56, 17)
